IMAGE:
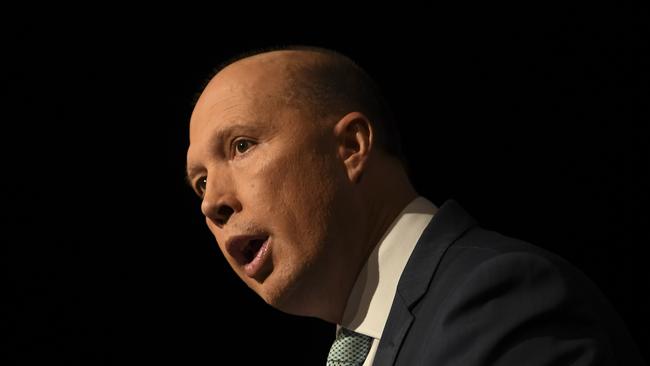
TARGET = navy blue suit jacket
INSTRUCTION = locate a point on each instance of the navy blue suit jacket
(470, 296)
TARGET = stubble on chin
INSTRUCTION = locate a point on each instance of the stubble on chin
(288, 289)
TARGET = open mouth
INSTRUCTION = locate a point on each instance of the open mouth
(250, 252)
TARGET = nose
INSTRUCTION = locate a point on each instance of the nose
(219, 205)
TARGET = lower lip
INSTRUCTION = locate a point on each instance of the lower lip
(255, 266)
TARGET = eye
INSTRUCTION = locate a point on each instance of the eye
(200, 186)
(243, 145)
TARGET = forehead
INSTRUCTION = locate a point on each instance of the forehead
(239, 92)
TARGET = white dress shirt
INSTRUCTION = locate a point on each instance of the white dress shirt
(369, 303)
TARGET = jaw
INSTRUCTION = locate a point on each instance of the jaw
(305, 293)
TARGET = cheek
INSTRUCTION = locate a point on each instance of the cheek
(260, 186)
(292, 192)
(306, 191)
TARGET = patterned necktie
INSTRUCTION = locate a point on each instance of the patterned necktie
(349, 349)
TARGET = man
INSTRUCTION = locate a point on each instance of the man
(303, 186)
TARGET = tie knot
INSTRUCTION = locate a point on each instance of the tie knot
(349, 348)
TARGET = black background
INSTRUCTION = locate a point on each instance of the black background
(534, 120)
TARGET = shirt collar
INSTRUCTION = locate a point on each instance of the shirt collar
(369, 302)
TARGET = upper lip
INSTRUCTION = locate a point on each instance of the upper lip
(236, 246)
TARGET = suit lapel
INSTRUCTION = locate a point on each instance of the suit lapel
(448, 224)
(400, 319)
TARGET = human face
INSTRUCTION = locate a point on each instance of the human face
(270, 183)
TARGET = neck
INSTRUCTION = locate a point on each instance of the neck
(385, 215)
(382, 210)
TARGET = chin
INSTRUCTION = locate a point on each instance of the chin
(281, 294)
(273, 293)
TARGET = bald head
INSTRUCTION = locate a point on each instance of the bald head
(320, 82)
(285, 147)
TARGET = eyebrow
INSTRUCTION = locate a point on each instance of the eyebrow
(216, 143)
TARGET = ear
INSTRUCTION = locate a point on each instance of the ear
(354, 136)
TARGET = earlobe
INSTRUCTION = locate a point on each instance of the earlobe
(354, 134)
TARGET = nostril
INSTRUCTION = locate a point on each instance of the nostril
(223, 214)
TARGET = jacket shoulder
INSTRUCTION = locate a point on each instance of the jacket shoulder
(505, 301)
